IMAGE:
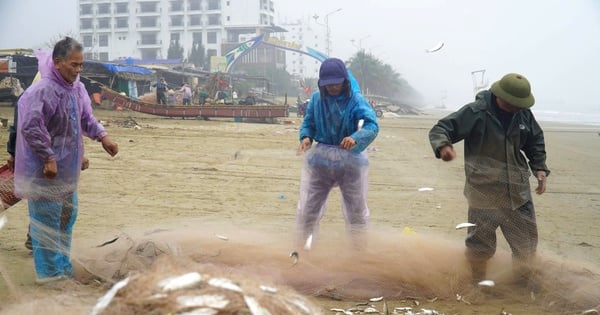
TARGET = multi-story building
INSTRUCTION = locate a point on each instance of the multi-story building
(144, 29)
(305, 32)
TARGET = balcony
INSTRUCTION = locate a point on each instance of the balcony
(149, 43)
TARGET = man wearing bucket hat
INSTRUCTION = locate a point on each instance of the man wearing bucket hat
(502, 143)
(343, 124)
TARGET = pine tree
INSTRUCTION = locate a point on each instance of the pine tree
(197, 55)
(175, 50)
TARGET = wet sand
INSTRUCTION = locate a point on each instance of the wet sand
(226, 178)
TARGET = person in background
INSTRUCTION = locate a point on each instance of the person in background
(234, 95)
(161, 91)
(54, 115)
(502, 143)
(10, 148)
(187, 94)
(332, 120)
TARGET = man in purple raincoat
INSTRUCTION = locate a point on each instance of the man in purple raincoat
(54, 115)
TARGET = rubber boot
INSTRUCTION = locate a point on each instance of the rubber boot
(478, 270)
(524, 274)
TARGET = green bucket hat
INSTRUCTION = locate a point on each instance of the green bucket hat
(514, 89)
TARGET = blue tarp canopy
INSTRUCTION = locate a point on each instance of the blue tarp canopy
(130, 69)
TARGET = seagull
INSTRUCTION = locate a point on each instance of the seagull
(435, 48)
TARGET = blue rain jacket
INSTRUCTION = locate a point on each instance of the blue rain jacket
(332, 119)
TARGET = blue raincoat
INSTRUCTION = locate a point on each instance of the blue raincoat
(327, 121)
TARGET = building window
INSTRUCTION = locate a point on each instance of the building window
(211, 52)
(175, 37)
(214, 4)
(103, 56)
(85, 9)
(177, 5)
(227, 3)
(196, 19)
(148, 7)
(87, 41)
(103, 40)
(148, 39)
(104, 23)
(264, 19)
(148, 21)
(85, 24)
(88, 56)
(149, 53)
(177, 20)
(228, 18)
(122, 22)
(121, 8)
(104, 8)
(214, 19)
(197, 37)
(211, 37)
(195, 5)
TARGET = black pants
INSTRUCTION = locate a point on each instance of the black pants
(161, 98)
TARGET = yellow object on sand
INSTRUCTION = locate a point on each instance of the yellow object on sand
(408, 230)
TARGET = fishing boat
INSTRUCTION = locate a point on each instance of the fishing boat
(267, 113)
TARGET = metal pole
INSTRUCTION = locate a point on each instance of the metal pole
(328, 30)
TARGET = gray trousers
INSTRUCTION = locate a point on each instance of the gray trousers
(518, 227)
(326, 167)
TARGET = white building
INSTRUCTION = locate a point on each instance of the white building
(144, 29)
(305, 32)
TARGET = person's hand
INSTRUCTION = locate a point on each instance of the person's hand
(50, 169)
(11, 163)
(109, 146)
(85, 163)
(304, 146)
(447, 153)
(541, 178)
(347, 143)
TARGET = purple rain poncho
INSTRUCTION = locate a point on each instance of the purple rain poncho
(53, 118)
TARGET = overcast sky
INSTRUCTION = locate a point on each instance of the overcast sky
(554, 43)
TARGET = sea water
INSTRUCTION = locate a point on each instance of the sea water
(583, 117)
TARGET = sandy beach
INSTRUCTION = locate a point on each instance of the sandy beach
(219, 177)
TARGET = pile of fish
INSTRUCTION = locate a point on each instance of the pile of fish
(370, 308)
(208, 292)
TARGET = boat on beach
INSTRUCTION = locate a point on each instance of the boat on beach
(267, 113)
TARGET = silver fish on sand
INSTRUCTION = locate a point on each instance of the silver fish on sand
(224, 283)
(465, 225)
(222, 237)
(486, 283)
(106, 298)
(209, 300)
(294, 255)
(308, 244)
(187, 280)
(268, 289)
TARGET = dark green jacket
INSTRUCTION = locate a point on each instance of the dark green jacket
(497, 172)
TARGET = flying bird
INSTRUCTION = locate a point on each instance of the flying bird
(435, 48)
